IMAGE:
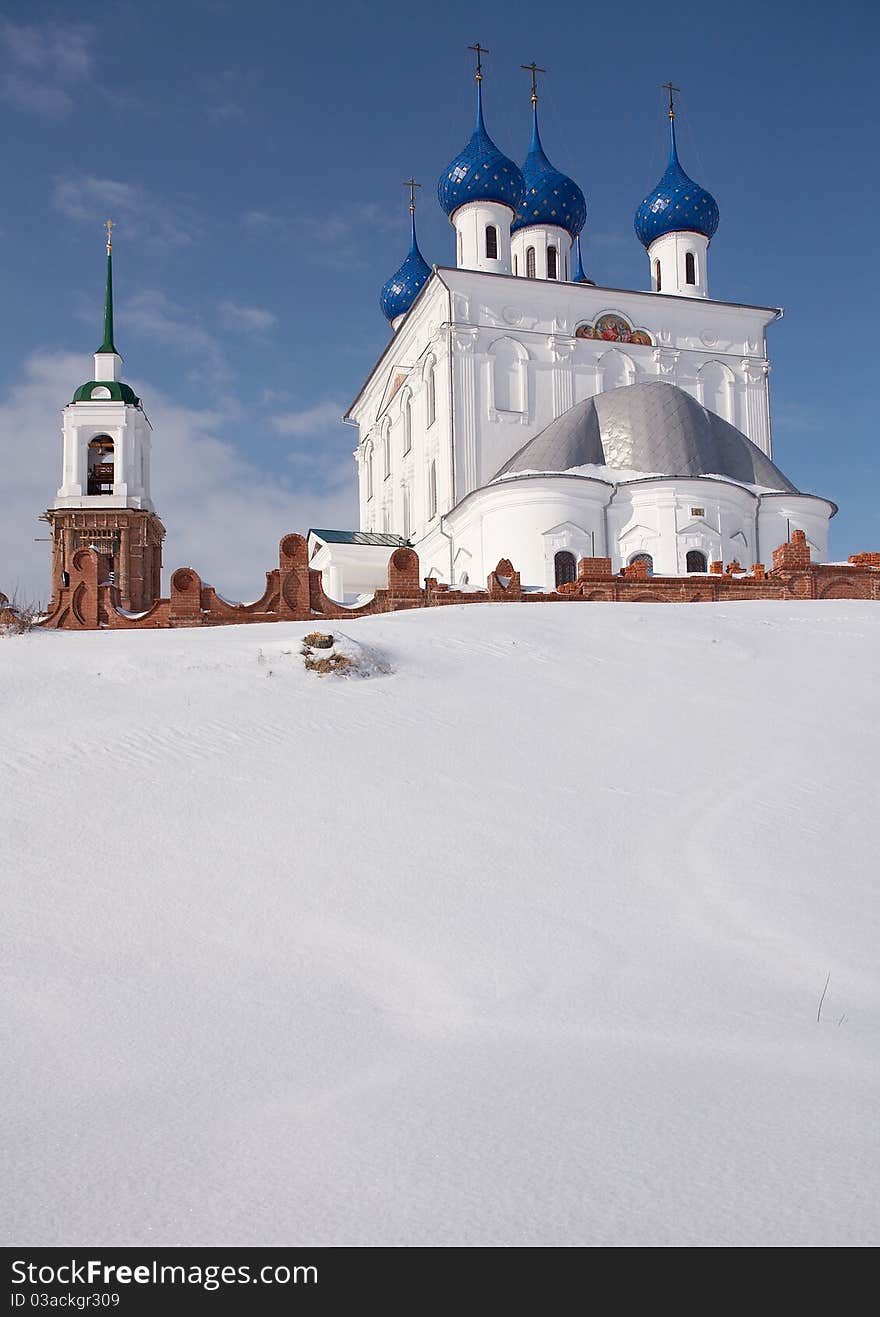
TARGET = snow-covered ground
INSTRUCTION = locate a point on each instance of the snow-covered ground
(519, 939)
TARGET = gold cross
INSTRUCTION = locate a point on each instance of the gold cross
(412, 185)
(534, 70)
(667, 86)
(481, 51)
(109, 227)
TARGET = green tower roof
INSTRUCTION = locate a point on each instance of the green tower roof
(116, 392)
(107, 345)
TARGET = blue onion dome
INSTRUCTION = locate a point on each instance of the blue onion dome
(480, 173)
(401, 290)
(677, 203)
(578, 274)
(551, 197)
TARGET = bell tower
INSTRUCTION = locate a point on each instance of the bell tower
(104, 498)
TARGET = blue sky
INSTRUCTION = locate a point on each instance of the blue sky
(253, 155)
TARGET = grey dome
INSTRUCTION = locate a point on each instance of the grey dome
(652, 427)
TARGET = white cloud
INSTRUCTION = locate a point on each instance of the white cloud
(311, 420)
(258, 221)
(224, 514)
(154, 315)
(87, 198)
(251, 319)
(43, 64)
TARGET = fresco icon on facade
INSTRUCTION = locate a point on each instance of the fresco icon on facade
(614, 328)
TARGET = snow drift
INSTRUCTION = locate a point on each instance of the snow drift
(519, 940)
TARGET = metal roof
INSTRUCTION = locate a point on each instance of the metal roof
(360, 537)
(653, 427)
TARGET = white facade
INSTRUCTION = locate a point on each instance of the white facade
(680, 264)
(483, 362)
(531, 519)
(541, 251)
(97, 433)
(482, 236)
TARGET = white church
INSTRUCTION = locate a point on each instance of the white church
(520, 411)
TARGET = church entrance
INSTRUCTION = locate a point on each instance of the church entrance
(565, 568)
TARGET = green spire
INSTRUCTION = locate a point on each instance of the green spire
(107, 345)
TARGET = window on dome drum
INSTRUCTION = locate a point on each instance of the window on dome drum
(695, 561)
(407, 425)
(551, 263)
(646, 559)
(430, 396)
(530, 262)
(565, 567)
(657, 280)
(690, 268)
(515, 268)
(432, 490)
(100, 465)
(491, 242)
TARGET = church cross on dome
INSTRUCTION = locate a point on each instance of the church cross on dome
(412, 185)
(667, 86)
(481, 51)
(534, 70)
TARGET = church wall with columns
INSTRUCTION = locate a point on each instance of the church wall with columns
(510, 357)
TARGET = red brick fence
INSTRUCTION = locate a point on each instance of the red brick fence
(294, 592)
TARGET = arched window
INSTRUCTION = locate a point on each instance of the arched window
(406, 408)
(658, 282)
(491, 243)
(695, 561)
(530, 262)
(508, 376)
(690, 268)
(552, 272)
(565, 567)
(430, 395)
(368, 471)
(458, 247)
(515, 266)
(432, 490)
(100, 460)
(407, 519)
(386, 452)
(646, 559)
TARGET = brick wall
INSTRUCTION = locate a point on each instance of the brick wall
(294, 592)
